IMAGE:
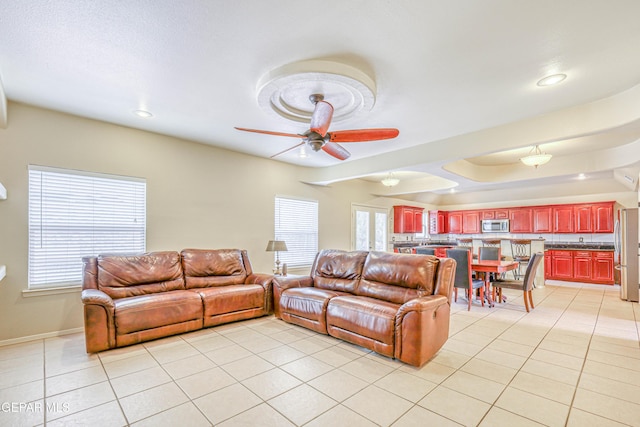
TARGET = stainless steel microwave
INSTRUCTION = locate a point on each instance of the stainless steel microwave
(495, 225)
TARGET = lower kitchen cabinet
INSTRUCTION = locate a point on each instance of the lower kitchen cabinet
(580, 266)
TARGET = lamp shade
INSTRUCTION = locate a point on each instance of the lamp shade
(536, 157)
(276, 246)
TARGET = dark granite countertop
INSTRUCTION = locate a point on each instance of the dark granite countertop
(426, 243)
(600, 246)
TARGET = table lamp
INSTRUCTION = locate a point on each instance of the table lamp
(276, 246)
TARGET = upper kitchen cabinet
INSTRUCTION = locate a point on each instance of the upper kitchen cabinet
(455, 222)
(563, 219)
(582, 219)
(602, 217)
(520, 220)
(494, 214)
(542, 219)
(438, 222)
(470, 222)
(407, 219)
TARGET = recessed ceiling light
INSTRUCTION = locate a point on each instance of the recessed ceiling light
(552, 80)
(142, 113)
(582, 176)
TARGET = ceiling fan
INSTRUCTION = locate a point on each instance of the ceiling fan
(318, 138)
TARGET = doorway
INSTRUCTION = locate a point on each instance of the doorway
(369, 228)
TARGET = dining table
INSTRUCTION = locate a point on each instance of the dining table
(492, 266)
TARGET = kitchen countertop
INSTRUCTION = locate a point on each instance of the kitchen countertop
(401, 244)
(601, 246)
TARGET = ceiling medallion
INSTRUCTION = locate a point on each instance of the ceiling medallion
(285, 90)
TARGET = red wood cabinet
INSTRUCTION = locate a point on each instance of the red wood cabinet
(520, 220)
(542, 219)
(455, 222)
(407, 219)
(580, 266)
(563, 219)
(582, 219)
(494, 214)
(438, 222)
(602, 270)
(602, 218)
(470, 222)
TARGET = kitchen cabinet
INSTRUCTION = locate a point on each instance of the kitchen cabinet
(602, 217)
(563, 219)
(470, 222)
(582, 215)
(580, 266)
(602, 267)
(455, 222)
(542, 219)
(562, 265)
(494, 214)
(520, 220)
(438, 222)
(407, 219)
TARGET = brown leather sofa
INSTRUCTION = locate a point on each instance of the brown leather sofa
(397, 305)
(130, 299)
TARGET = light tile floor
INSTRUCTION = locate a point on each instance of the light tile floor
(573, 361)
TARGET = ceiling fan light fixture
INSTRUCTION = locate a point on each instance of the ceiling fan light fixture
(551, 80)
(536, 157)
(390, 180)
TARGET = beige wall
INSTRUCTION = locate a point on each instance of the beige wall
(197, 196)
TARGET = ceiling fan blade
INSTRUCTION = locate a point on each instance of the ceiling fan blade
(288, 149)
(362, 135)
(321, 118)
(268, 132)
(336, 150)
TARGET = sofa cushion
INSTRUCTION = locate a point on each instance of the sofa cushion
(231, 298)
(338, 270)
(206, 268)
(307, 307)
(127, 276)
(397, 278)
(363, 316)
(150, 311)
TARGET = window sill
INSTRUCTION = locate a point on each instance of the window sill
(29, 293)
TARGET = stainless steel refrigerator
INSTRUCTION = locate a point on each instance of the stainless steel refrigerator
(626, 247)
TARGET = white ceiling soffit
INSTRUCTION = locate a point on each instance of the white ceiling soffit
(589, 119)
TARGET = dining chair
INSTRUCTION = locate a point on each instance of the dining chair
(521, 252)
(425, 251)
(463, 279)
(467, 243)
(489, 253)
(525, 285)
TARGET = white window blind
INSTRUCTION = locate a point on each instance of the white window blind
(296, 222)
(74, 214)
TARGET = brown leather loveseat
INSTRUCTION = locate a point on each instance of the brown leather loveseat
(397, 305)
(130, 299)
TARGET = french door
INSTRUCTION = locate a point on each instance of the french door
(369, 227)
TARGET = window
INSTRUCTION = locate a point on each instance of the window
(296, 222)
(74, 214)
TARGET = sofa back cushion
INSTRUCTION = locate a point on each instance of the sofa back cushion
(398, 278)
(338, 270)
(213, 267)
(131, 275)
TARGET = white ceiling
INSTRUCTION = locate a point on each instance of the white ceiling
(457, 78)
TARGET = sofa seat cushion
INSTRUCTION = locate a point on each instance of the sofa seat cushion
(307, 306)
(364, 316)
(231, 298)
(155, 310)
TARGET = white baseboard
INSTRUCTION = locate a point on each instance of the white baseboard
(40, 336)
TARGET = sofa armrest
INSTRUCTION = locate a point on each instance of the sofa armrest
(99, 320)
(266, 281)
(421, 328)
(282, 283)
(445, 277)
